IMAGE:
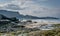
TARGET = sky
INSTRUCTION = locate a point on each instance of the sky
(40, 8)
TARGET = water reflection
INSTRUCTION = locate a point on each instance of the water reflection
(47, 27)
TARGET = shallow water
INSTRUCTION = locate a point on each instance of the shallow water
(48, 26)
(44, 20)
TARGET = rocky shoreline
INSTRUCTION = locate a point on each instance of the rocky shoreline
(25, 25)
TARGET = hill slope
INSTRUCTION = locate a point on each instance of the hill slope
(17, 15)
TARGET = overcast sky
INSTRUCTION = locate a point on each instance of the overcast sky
(41, 8)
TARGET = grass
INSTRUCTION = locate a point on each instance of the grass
(56, 25)
(54, 32)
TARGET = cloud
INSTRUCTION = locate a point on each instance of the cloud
(40, 0)
(5, 1)
(13, 7)
(29, 7)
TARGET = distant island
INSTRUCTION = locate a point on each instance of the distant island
(11, 14)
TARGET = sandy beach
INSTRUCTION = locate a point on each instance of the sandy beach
(38, 24)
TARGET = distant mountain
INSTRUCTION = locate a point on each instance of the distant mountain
(11, 14)
(35, 17)
(3, 17)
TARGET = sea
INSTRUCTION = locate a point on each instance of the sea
(48, 26)
(44, 20)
